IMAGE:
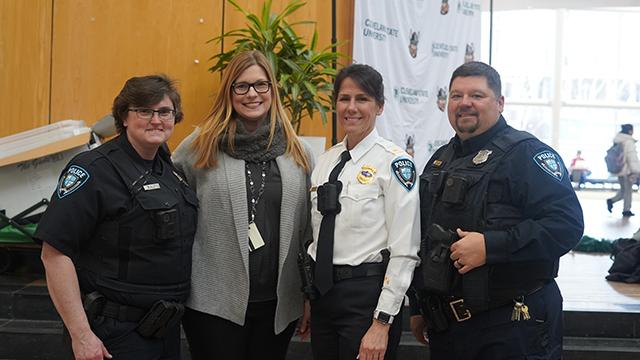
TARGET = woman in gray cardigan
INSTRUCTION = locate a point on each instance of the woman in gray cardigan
(251, 174)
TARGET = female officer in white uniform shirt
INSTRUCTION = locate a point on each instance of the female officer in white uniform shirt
(366, 229)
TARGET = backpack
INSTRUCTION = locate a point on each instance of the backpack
(626, 261)
(615, 158)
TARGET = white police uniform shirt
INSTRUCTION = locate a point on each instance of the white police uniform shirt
(380, 210)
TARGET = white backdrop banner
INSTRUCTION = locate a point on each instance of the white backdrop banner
(416, 45)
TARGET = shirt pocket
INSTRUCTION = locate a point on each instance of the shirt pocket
(362, 204)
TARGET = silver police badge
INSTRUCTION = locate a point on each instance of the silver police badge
(481, 157)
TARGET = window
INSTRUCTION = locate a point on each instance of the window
(570, 76)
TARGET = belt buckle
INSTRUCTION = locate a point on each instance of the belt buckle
(460, 312)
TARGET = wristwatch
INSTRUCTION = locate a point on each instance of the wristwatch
(383, 317)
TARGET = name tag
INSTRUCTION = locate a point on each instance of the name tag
(151, 187)
(255, 239)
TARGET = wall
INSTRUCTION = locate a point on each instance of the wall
(25, 59)
(67, 59)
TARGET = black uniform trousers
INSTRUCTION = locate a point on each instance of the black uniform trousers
(341, 317)
(491, 335)
(123, 341)
(212, 337)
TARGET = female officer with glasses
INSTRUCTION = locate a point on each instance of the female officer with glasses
(251, 175)
(118, 233)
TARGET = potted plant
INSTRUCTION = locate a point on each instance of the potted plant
(305, 73)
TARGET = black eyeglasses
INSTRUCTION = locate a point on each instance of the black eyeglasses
(242, 88)
(147, 114)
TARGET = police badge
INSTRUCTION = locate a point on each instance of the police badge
(405, 172)
(481, 157)
(366, 174)
(72, 180)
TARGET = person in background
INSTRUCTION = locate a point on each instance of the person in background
(579, 170)
(118, 232)
(497, 212)
(629, 173)
(364, 196)
(251, 174)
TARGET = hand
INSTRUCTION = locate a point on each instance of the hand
(304, 329)
(374, 343)
(417, 325)
(87, 346)
(469, 252)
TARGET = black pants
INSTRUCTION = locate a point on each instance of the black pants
(341, 317)
(491, 335)
(211, 337)
(124, 343)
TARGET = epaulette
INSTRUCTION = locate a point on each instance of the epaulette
(391, 147)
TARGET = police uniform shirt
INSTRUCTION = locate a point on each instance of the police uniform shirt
(76, 209)
(533, 179)
(380, 210)
(89, 192)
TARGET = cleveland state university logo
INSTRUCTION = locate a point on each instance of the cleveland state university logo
(413, 43)
(444, 7)
(468, 53)
(409, 145)
(441, 99)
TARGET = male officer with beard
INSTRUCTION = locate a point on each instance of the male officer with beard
(497, 212)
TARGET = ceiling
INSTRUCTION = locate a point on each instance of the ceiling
(622, 5)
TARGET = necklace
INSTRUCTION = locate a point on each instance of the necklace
(255, 198)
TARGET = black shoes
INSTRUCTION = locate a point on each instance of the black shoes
(627, 213)
(609, 205)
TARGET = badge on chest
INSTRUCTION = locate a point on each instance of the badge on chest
(255, 239)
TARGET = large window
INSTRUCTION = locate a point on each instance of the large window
(570, 76)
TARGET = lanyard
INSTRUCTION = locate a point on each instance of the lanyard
(255, 198)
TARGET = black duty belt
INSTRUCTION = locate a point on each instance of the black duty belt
(97, 305)
(344, 272)
(457, 310)
(123, 312)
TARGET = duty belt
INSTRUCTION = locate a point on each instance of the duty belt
(456, 309)
(152, 323)
(97, 305)
(344, 272)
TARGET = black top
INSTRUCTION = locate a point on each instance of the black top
(263, 262)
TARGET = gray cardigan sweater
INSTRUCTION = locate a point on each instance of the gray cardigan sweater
(220, 269)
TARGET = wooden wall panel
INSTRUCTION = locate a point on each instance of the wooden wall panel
(98, 45)
(25, 51)
(93, 46)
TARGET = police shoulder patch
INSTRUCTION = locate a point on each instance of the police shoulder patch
(72, 180)
(405, 172)
(550, 163)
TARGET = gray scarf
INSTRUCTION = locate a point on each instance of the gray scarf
(253, 146)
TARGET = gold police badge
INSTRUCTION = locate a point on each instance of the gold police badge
(481, 157)
(366, 174)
